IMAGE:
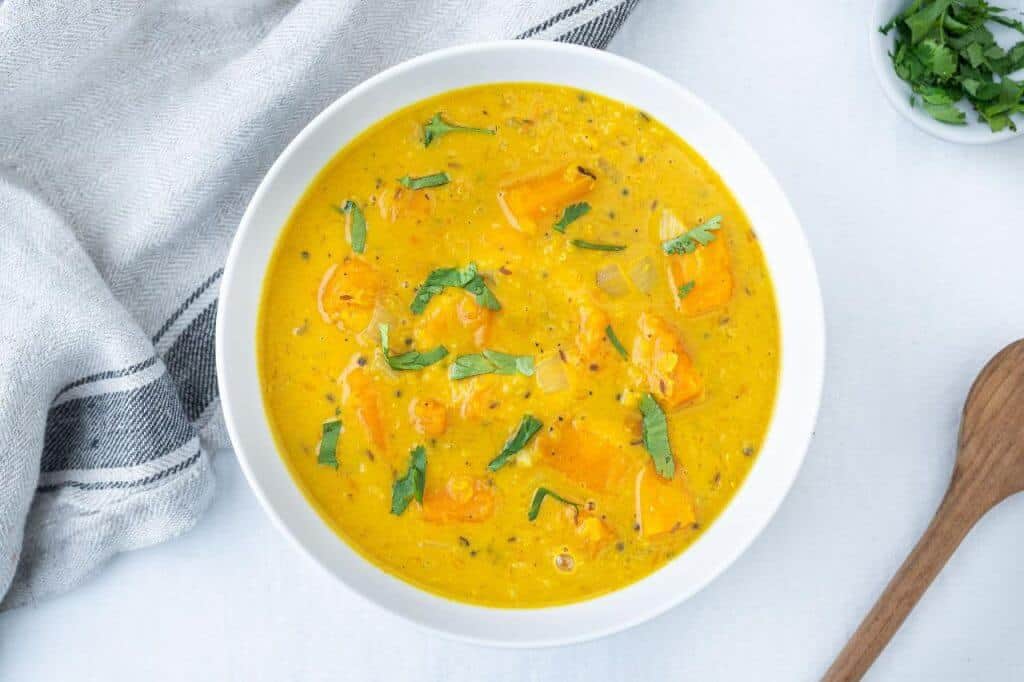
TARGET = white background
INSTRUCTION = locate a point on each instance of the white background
(919, 245)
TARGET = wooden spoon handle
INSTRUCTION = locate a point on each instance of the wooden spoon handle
(954, 518)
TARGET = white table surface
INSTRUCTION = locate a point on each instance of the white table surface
(919, 246)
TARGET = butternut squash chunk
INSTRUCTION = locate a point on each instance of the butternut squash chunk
(593, 533)
(361, 395)
(591, 340)
(428, 416)
(542, 195)
(398, 203)
(455, 320)
(348, 294)
(709, 270)
(662, 505)
(474, 396)
(659, 353)
(460, 498)
(582, 455)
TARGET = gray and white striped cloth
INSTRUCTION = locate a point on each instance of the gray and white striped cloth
(132, 134)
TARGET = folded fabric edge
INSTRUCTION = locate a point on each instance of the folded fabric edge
(164, 506)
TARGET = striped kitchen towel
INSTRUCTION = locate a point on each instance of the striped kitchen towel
(132, 134)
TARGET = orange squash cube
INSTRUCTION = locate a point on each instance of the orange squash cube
(362, 396)
(399, 203)
(659, 353)
(455, 320)
(662, 505)
(709, 270)
(461, 498)
(591, 339)
(593, 533)
(542, 195)
(428, 416)
(584, 456)
(474, 396)
(348, 294)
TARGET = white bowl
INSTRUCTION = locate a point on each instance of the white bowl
(898, 92)
(785, 248)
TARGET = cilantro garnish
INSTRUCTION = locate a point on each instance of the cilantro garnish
(437, 127)
(466, 278)
(413, 359)
(328, 452)
(410, 486)
(655, 436)
(687, 242)
(597, 246)
(357, 225)
(490, 362)
(427, 181)
(571, 214)
(610, 333)
(528, 427)
(946, 52)
(538, 498)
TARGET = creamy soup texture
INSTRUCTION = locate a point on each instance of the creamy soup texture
(518, 344)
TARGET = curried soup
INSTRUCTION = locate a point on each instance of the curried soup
(518, 344)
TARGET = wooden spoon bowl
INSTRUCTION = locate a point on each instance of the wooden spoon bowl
(989, 468)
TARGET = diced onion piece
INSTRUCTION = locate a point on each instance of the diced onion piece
(643, 274)
(381, 367)
(507, 210)
(324, 281)
(670, 226)
(524, 458)
(370, 335)
(612, 281)
(551, 375)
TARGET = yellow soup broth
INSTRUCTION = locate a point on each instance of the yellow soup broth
(523, 214)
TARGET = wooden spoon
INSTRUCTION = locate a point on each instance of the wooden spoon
(989, 468)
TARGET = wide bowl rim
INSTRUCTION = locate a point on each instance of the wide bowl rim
(518, 627)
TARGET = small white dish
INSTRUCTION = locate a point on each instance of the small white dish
(899, 92)
(786, 251)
